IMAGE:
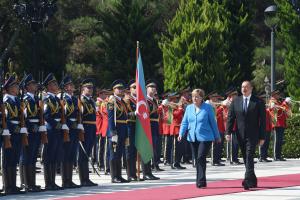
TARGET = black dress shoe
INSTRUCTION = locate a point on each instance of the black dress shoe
(89, 183)
(123, 180)
(48, 188)
(150, 177)
(157, 169)
(201, 185)
(236, 163)
(247, 185)
(221, 160)
(116, 180)
(178, 166)
(218, 164)
(264, 160)
(132, 178)
(56, 187)
(279, 159)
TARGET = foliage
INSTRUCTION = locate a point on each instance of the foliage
(194, 46)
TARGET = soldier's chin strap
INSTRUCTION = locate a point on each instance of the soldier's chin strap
(87, 156)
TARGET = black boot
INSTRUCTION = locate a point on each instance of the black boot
(64, 175)
(30, 174)
(70, 175)
(113, 172)
(53, 175)
(119, 172)
(22, 169)
(15, 189)
(147, 172)
(85, 176)
(130, 175)
(6, 181)
(81, 174)
(47, 177)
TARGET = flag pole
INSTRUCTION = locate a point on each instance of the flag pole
(138, 155)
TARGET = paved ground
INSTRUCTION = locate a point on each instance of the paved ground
(174, 177)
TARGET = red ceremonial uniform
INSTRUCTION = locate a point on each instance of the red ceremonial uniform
(268, 120)
(163, 113)
(104, 113)
(98, 116)
(279, 113)
(225, 116)
(221, 121)
(177, 118)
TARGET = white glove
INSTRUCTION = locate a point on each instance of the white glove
(272, 105)
(288, 100)
(42, 128)
(114, 138)
(80, 127)
(24, 130)
(5, 132)
(164, 102)
(64, 127)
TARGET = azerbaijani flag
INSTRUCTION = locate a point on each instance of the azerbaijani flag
(143, 137)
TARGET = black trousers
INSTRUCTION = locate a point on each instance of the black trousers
(278, 142)
(265, 147)
(217, 150)
(247, 147)
(201, 149)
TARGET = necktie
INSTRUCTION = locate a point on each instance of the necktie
(245, 105)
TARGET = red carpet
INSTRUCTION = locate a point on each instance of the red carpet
(190, 190)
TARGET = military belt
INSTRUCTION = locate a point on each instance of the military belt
(34, 120)
(14, 122)
(121, 121)
(131, 120)
(89, 122)
(154, 120)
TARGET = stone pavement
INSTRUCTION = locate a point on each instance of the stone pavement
(175, 177)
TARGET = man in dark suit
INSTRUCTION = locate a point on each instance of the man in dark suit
(249, 113)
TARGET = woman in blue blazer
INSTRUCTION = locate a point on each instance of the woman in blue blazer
(201, 127)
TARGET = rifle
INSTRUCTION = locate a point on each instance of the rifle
(6, 137)
(44, 137)
(79, 117)
(63, 116)
(22, 116)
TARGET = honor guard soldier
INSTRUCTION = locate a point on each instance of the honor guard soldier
(232, 146)
(11, 154)
(29, 153)
(53, 150)
(279, 116)
(104, 146)
(216, 150)
(154, 121)
(165, 115)
(70, 147)
(177, 115)
(118, 130)
(88, 108)
(131, 149)
(263, 150)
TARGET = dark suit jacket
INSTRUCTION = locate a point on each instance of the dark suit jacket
(252, 124)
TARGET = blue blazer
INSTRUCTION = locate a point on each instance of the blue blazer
(201, 126)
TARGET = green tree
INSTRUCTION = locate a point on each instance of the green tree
(288, 31)
(194, 46)
(124, 23)
(241, 40)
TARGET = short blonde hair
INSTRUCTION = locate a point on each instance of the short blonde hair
(199, 92)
